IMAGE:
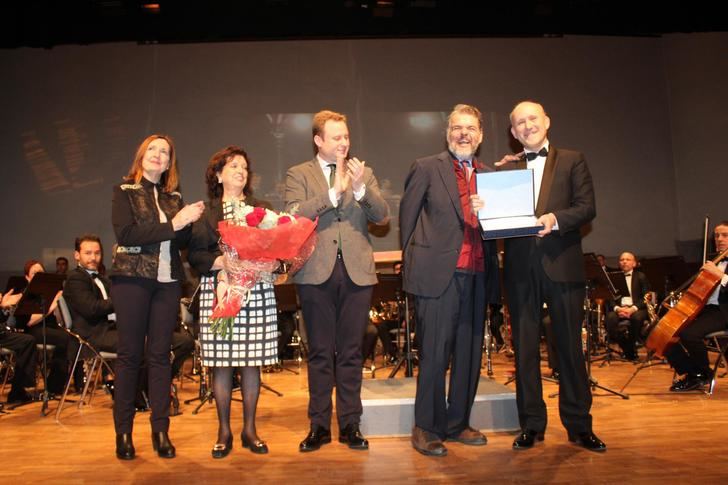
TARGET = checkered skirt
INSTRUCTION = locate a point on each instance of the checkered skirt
(254, 340)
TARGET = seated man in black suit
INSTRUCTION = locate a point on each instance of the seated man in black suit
(23, 345)
(630, 308)
(689, 357)
(87, 294)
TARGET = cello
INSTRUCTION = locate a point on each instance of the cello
(665, 334)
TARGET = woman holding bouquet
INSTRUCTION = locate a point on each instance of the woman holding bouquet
(151, 224)
(251, 340)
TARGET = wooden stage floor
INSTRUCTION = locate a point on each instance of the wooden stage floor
(653, 437)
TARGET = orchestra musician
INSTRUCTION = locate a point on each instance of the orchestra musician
(689, 357)
(629, 308)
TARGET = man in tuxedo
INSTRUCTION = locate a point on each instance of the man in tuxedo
(87, 294)
(335, 284)
(549, 268)
(689, 357)
(630, 308)
(448, 268)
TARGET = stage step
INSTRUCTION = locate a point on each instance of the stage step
(389, 406)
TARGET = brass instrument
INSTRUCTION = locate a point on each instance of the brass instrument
(385, 310)
(650, 304)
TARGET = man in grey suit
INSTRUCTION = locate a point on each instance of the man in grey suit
(335, 285)
(451, 272)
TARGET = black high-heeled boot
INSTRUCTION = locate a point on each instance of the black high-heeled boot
(124, 447)
(162, 445)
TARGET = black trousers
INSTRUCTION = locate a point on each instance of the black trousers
(146, 311)
(565, 303)
(336, 313)
(58, 363)
(450, 330)
(626, 340)
(25, 358)
(689, 355)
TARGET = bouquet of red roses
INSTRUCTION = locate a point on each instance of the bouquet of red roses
(254, 243)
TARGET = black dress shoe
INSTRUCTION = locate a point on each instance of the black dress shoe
(222, 450)
(691, 382)
(124, 447)
(427, 443)
(109, 386)
(316, 437)
(256, 445)
(162, 445)
(527, 439)
(588, 440)
(353, 437)
(19, 397)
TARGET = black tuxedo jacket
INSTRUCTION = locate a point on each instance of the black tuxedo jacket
(640, 287)
(431, 225)
(567, 191)
(89, 310)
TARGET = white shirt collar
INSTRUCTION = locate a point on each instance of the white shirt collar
(323, 163)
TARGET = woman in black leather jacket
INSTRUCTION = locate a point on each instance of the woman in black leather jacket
(152, 224)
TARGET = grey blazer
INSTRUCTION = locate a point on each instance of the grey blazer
(307, 194)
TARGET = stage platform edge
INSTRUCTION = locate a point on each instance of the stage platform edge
(389, 407)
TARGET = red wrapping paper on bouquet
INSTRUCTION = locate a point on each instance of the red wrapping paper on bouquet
(283, 241)
(252, 254)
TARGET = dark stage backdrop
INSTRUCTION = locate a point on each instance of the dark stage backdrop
(647, 112)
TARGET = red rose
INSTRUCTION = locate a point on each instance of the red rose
(254, 218)
(283, 220)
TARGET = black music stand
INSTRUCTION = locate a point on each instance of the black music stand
(37, 296)
(598, 276)
(287, 302)
(390, 288)
(16, 283)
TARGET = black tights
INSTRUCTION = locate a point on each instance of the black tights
(222, 387)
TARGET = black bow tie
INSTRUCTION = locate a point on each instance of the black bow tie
(94, 275)
(530, 156)
(627, 274)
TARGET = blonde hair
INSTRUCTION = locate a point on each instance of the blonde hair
(320, 119)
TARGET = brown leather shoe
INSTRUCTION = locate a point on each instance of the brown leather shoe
(427, 443)
(469, 436)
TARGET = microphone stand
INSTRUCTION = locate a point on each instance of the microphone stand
(45, 397)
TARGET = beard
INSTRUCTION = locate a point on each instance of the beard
(463, 153)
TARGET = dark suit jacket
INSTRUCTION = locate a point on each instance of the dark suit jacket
(431, 227)
(203, 247)
(307, 194)
(89, 310)
(567, 191)
(640, 286)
